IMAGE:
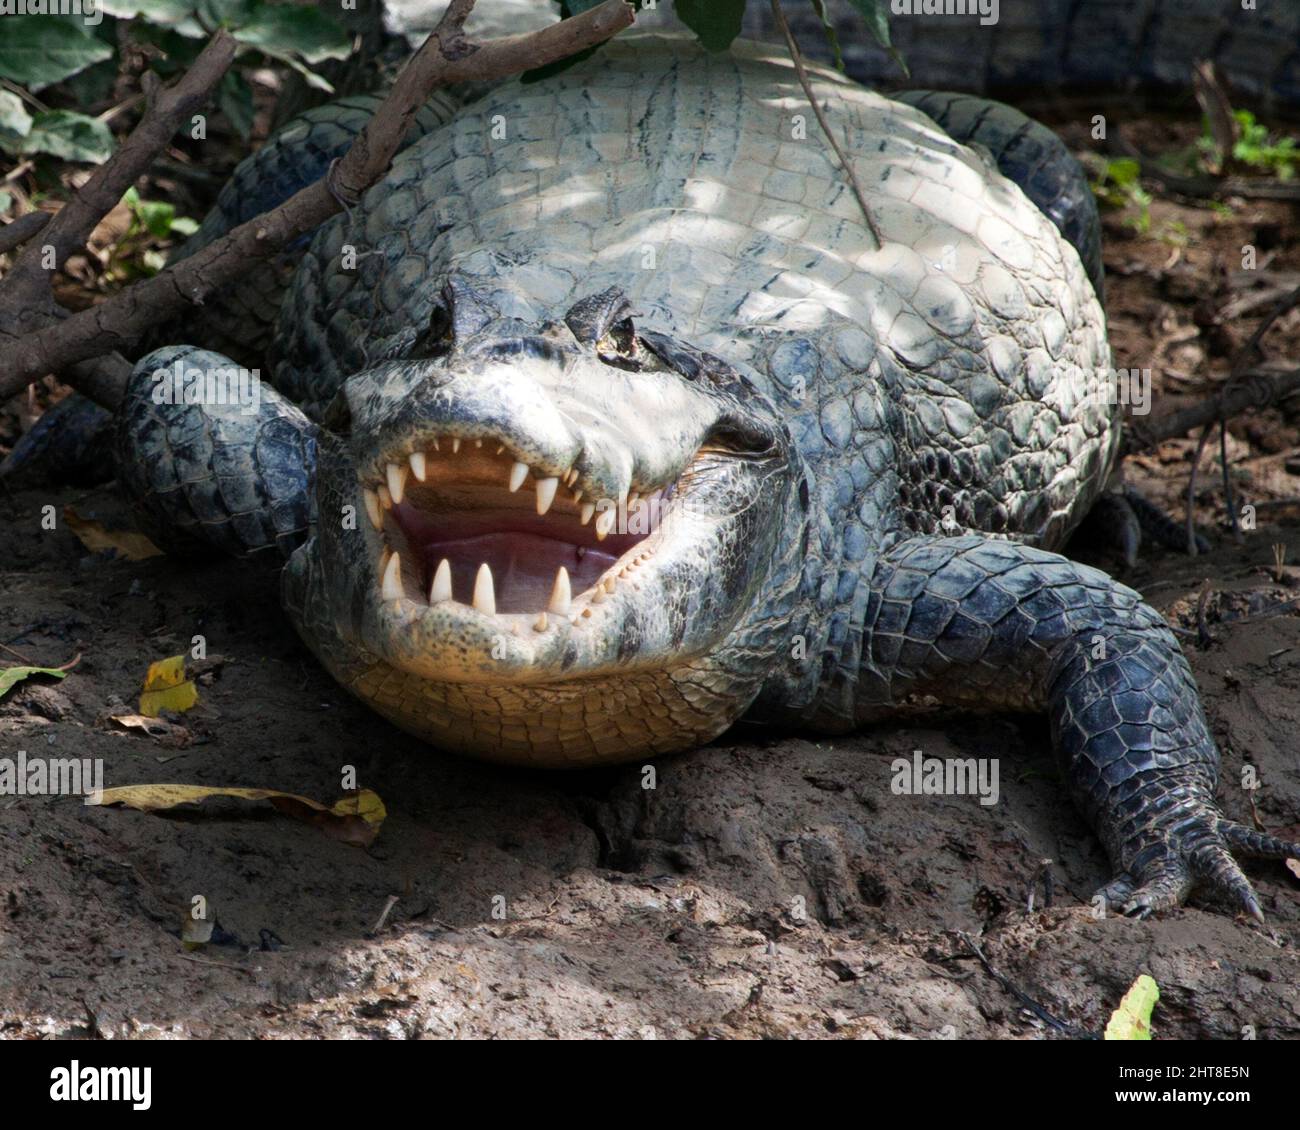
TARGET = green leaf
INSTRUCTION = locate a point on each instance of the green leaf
(14, 118)
(716, 22)
(72, 136)
(235, 98)
(832, 40)
(1132, 1020)
(10, 677)
(36, 51)
(876, 15)
(306, 33)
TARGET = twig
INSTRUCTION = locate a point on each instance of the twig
(1025, 1000)
(1191, 489)
(446, 58)
(1257, 388)
(383, 915)
(1205, 188)
(797, 57)
(21, 230)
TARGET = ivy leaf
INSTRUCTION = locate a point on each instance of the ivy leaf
(306, 33)
(716, 22)
(36, 52)
(10, 677)
(14, 118)
(876, 15)
(70, 135)
(235, 98)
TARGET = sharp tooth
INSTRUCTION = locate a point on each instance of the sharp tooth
(485, 599)
(478, 443)
(397, 481)
(588, 509)
(376, 515)
(605, 523)
(385, 499)
(440, 590)
(571, 477)
(577, 496)
(392, 586)
(500, 448)
(560, 593)
(418, 466)
(435, 444)
(455, 445)
(610, 582)
(518, 473)
(546, 493)
(540, 624)
(599, 596)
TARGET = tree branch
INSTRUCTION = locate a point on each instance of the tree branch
(445, 58)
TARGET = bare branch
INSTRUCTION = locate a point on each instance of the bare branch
(21, 230)
(444, 59)
(797, 58)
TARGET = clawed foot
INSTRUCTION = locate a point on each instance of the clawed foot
(1196, 852)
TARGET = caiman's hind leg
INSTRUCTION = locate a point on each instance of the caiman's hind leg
(1034, 630)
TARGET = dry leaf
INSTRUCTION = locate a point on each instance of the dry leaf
(355, 818)
(130, 544)
(166, 688)
(165, 733)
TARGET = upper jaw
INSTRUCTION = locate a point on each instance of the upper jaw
(429, 465)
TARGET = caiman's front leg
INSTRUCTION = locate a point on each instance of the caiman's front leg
(1034, 630)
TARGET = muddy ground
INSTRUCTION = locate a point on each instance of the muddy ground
(768, 886)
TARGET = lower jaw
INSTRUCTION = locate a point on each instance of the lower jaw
(555, 725)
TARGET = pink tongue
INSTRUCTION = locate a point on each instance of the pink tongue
(523, 566)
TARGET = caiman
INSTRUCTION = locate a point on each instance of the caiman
(605, 420)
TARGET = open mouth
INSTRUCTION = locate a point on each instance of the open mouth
(466, 521)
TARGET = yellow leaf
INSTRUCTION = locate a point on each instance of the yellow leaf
(355, 819)
(1132, 1020)
(166, 688)
(95, 536)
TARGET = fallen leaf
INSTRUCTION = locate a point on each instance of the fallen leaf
(355, 818)
(1132, 1020)
(130, 544)
(165, 733)
(10, 677)
(167, 688)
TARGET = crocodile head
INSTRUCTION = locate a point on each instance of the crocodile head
(549, 546)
